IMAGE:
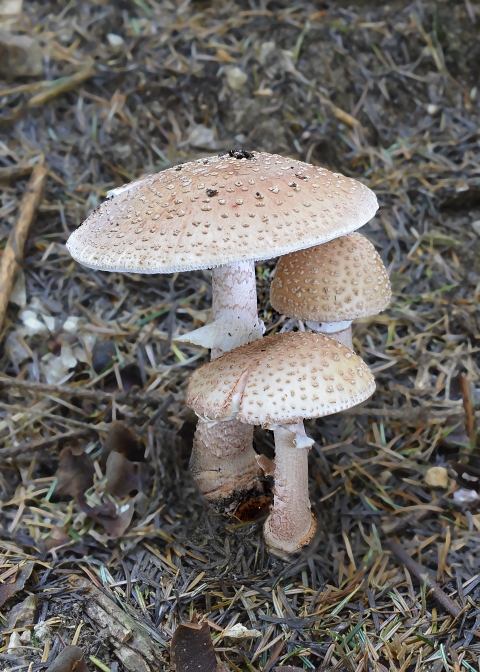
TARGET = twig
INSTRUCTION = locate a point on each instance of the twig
(468, 405)
(31, 446)
(424, 577)
(17, 170)
(13, 253)
(80, 392)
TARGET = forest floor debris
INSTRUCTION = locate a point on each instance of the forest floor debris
(386, 93)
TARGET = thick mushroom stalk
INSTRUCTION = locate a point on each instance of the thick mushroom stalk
(341, 331)
(223, 460)
(223, 464)
(290, 524)
(234, 304)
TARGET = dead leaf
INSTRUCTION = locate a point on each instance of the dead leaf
(15, 582)
(10, 11)
(58, 537)
(69, 660)
(75, 472)
(192, 649)
(123, 440)
(285, 668)
(114, 519)
(125, 477)
(23, 614)
(20, 55)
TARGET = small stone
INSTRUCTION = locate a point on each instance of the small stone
(239, 631)
(71, 324)
(437, 477)
(384, 477)
(203, 137)
(476, 227)
(18, 295)
(236, 78)
(433, 109)
(43, 632)
(115, 41)
(464, 496)
(15, 641)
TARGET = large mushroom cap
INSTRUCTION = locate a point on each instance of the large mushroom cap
(279, 379)
(220, 210)
(340, 280)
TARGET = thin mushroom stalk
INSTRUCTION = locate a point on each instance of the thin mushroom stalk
(223, 455)
(341, 331)
(291, 524)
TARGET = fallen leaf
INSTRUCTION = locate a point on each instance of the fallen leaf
(103, 354)
(20, 55)
(123, 440)
(75, 472)
(58, 537)
(125, 477)
(69, 660)
(114, 519)
(15, 583)
(23, 614)
(192, 649)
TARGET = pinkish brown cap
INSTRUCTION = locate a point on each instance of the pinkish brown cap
(340, 280)
(220, 210)
(280, 378)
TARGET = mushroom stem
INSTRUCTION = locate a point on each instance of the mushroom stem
(341, 331)
(223, 459)
(234, 302)
(223, 464)
(290, 524)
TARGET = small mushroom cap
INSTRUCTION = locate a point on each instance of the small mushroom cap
(217, 211)
(340, 280)
(281, 378)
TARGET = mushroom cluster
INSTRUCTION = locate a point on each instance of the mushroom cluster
(223, 212)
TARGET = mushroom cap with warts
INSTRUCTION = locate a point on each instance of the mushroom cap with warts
(280, 378)
(240, 206)
(343, 279)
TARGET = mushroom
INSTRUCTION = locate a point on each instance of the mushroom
(277, 383)
(329, 285)
(223, 212)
